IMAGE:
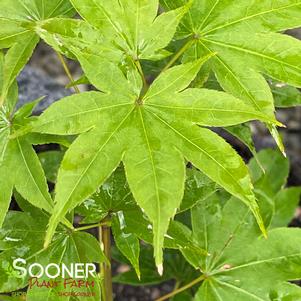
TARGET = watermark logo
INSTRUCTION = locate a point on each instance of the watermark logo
(76, 279)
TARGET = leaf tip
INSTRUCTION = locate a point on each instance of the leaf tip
(160, 269)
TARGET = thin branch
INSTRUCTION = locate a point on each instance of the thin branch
(183, 288)
(107, 272)
(139, 68)
(186, 46)
(91, 226)
(68, 72)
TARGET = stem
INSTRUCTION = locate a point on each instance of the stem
(106, 240)
(91, 226)
(139, 68)
(186, 46)
(68, 72)
(183, 288)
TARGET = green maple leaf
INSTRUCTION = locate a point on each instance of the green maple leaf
(18, 159)
(20, 167)
(239, 257)
(117, 30)
(133, 25)
(245, 37)
(152, 132)
(18, 22)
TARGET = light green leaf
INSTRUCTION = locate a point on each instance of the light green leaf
(6, 188)
(150, 165)
(256, 16)
(208, 108)
(78, 113)
(287, 292)
(26, 110)
(137, 136)
(241, 81)
(200, 146)
(113, 82)
(175, 79)
(275, 54)
(156, 38)
(28, 174)
(103, 147)
(18, 23)
(35, 9)
(11, 30)
(41, 139)
(15, 59)
(137, 31)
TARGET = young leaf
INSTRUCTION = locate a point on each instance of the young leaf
(16, 58)
(20, 163)
(18, 20)
(240, 60)
(137, 135)
(133, 25)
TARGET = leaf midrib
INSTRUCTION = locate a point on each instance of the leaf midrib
(31, 175)
(158, 221)
(250, 17)
(82, 113)
(252, 52)
(239, 289)
(203, 109)
(257, 262)
(253, 100)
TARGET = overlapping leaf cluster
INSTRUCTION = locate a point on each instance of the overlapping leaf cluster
(153, 123)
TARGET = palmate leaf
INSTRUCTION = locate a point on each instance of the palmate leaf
(18, 22)
(19, 164)
(246, 45)
(137, 134)
(24, 172)
(133, 25)
(239, 258)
